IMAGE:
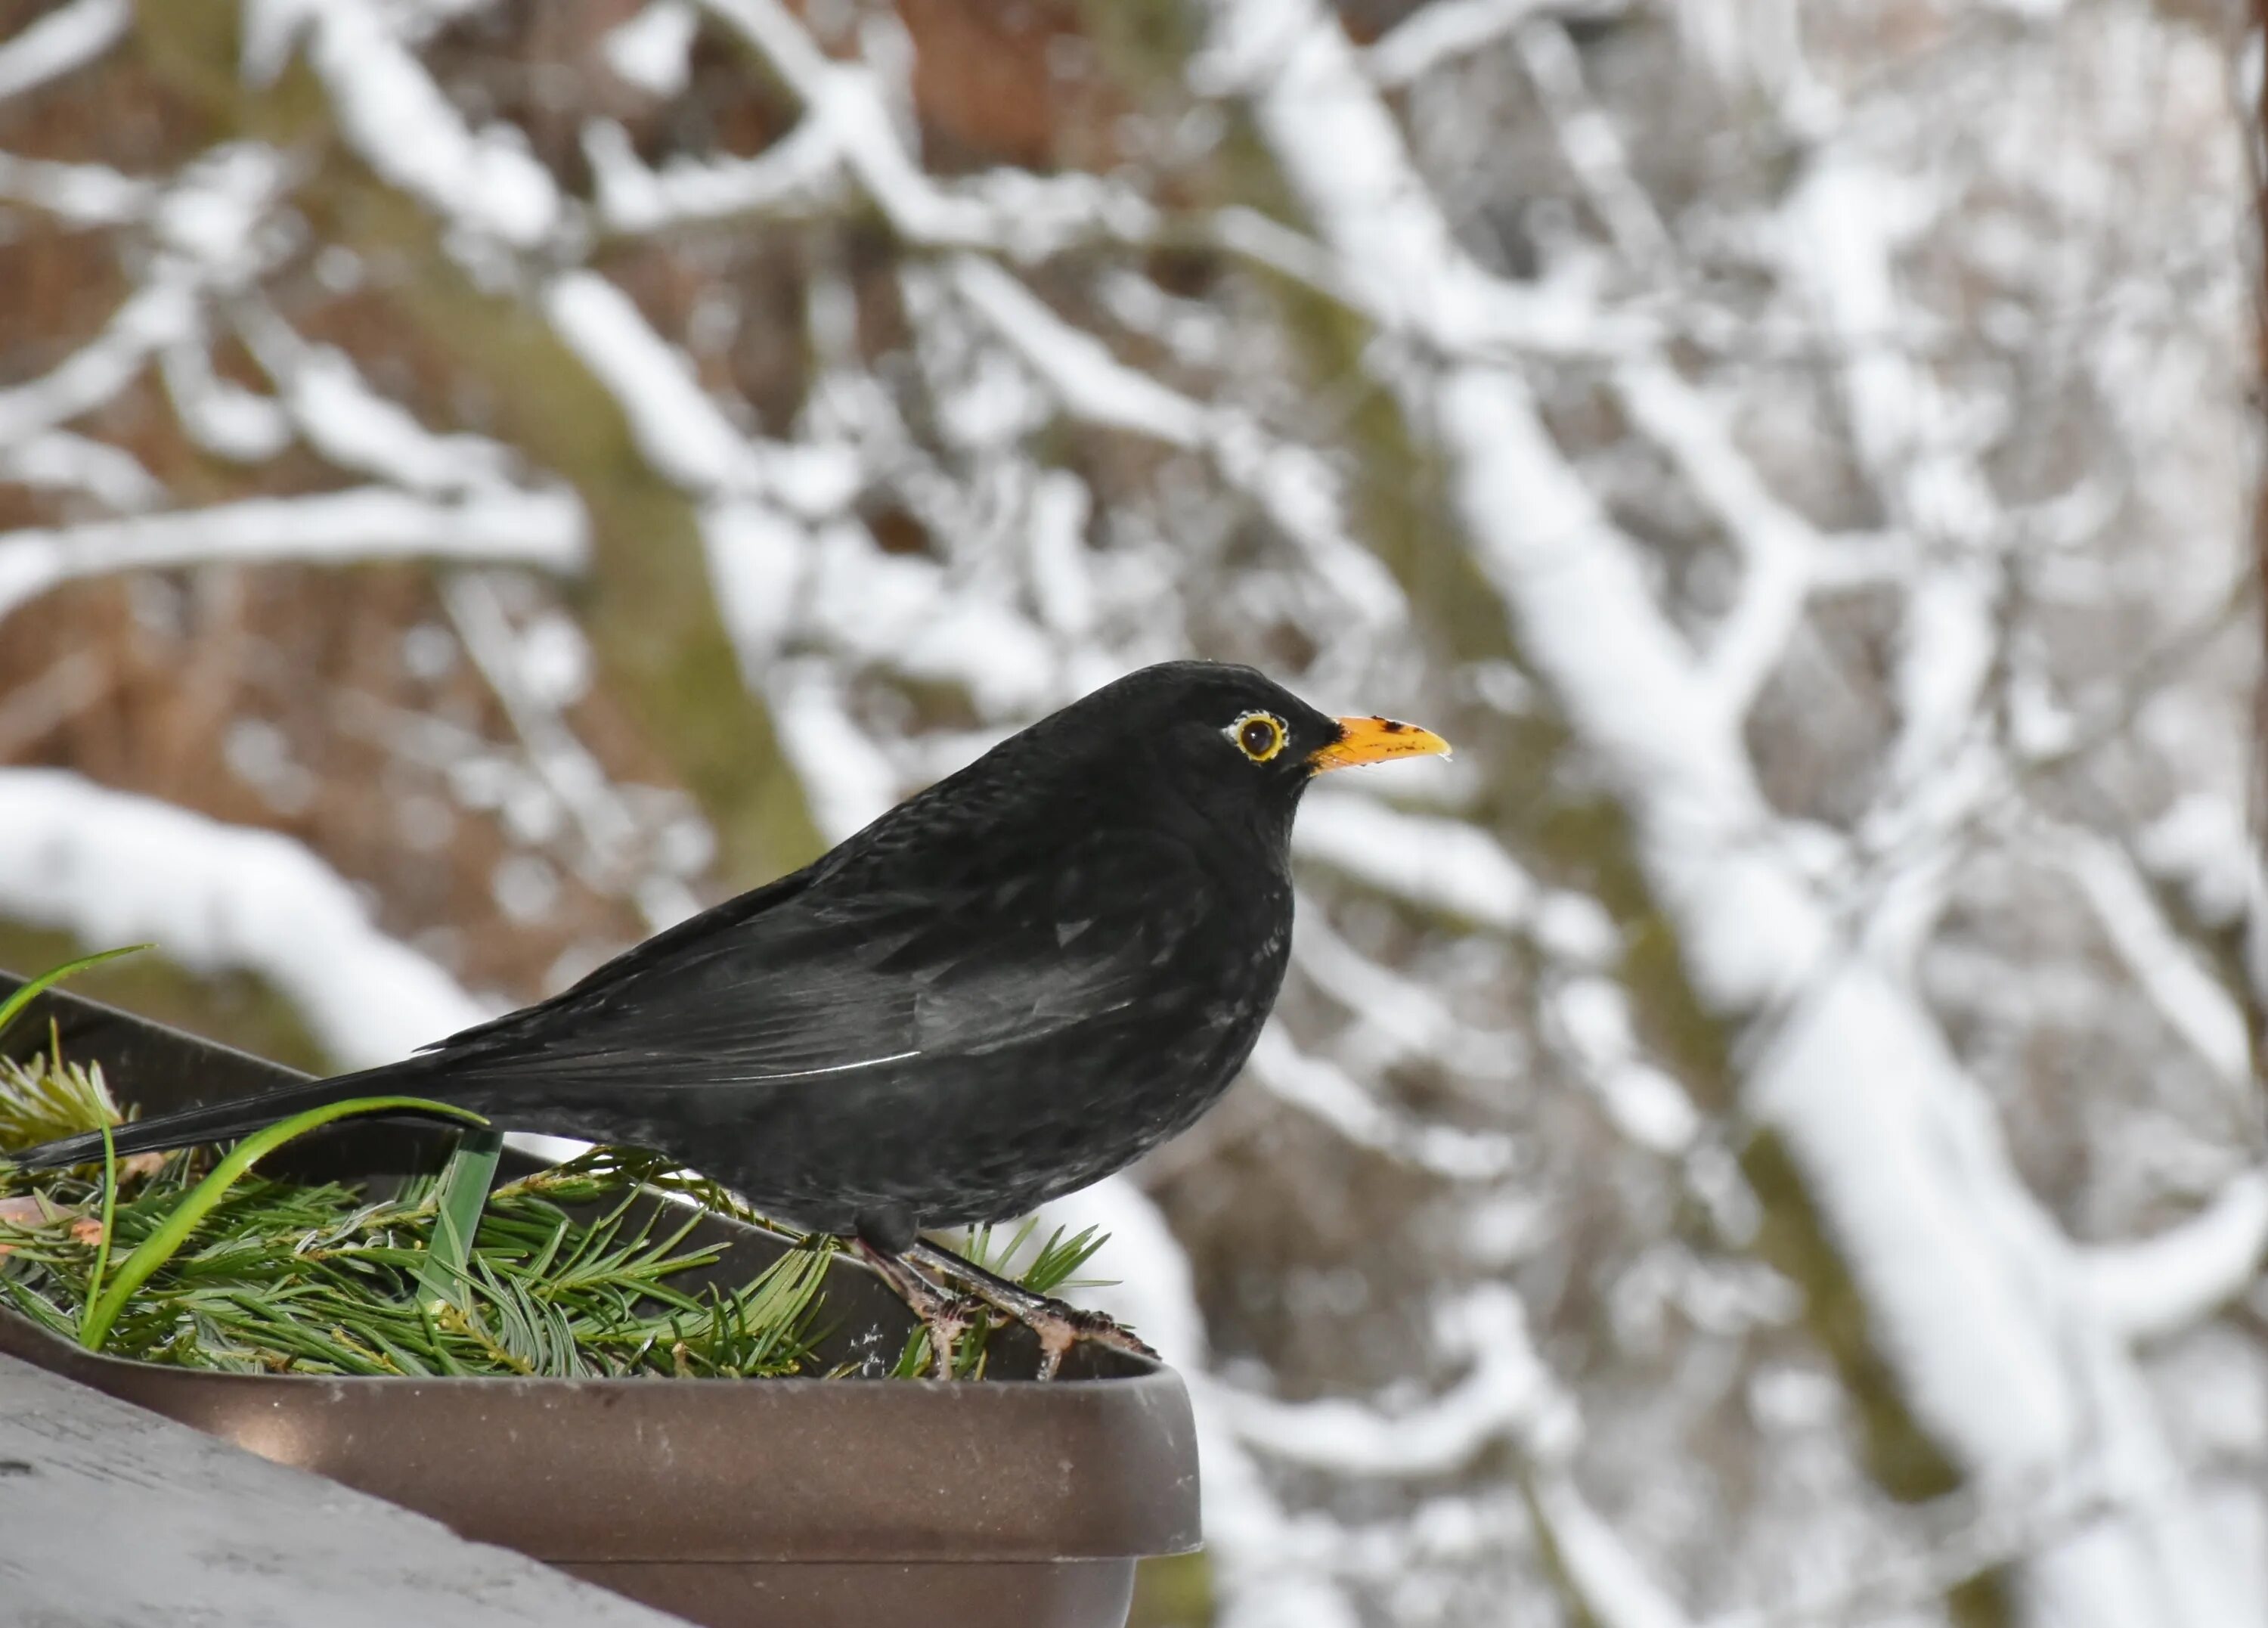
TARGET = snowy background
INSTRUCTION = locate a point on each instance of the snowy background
(1768, 1136)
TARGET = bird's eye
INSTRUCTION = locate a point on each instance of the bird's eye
(1258, 735)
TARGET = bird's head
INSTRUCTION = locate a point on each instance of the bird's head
(1234, 742)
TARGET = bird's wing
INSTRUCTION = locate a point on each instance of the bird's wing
(814, 986)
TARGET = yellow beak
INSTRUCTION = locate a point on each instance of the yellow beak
(1373, 740)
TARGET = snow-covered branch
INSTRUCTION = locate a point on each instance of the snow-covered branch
(65, 40)
(541, 529)
(111, 868)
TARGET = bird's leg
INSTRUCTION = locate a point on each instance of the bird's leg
(1059, 1324)
(946, 1316)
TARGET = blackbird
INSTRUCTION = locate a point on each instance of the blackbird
(1006, 987)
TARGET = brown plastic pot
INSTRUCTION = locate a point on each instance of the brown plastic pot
(748, 1503)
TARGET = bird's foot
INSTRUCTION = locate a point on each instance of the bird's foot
(1059, 1324)
(945, 1316)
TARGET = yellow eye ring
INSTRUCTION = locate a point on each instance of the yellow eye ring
(1258, 735)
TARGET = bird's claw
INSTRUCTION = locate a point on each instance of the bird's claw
(943, 1314)
(1060, 1326)
(946, 1320)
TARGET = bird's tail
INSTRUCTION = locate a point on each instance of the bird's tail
(221, 1122)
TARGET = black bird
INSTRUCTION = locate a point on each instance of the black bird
(1007, 987)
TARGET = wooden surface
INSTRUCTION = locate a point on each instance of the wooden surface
(112, 1517)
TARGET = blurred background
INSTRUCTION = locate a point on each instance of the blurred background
(1767, 1136)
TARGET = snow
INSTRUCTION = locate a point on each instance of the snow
(1092, 384)
(111, 868)
(392, 114)
(678, 429)
(97, 372)
(1646, 1105)
(800, 171)
(2200, 843)
(85, 194)
(1842, 228)
(341, 416)
(1507, 1392)
(62, 461)
(2160, 1286)
(534, 673)
(1444, 30)
(1027, 217)
(1779, 546)
(218, 413)
(757, 558)
(542, 529)
(653, 51)
(1318, 1086)
(1432, 862)
(1290, 485)
(60, 42)
(1617, 1591)
(847, 780)
(2194, 1003)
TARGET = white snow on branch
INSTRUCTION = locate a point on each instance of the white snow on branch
(1444, 30)
(1290, 484)
(541, 529)
(1506, 1395)
(654, 49)
(218, 413)
(847, 779)
(1395, 1016)
(2193, 1002)
(111, 868)
(392, 114)
(1841, 230)
(1778, 547)
(1094, 386)
(85, 194)
(60, 42)
(2164, 1285)
(682, 433)
(1593, 1017)
(1425, 860)
(796, 174)
(342, 417)
(906, 612)
(1321, 1088)
(1616, 1590)
(1008, 211)
(1590, 143)
(94, 374)
(62, 461)
(533, 688)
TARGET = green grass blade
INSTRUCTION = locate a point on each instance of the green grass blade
(109, 1218)
(457, 1216)
(16, 1003)
(161, 1245)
